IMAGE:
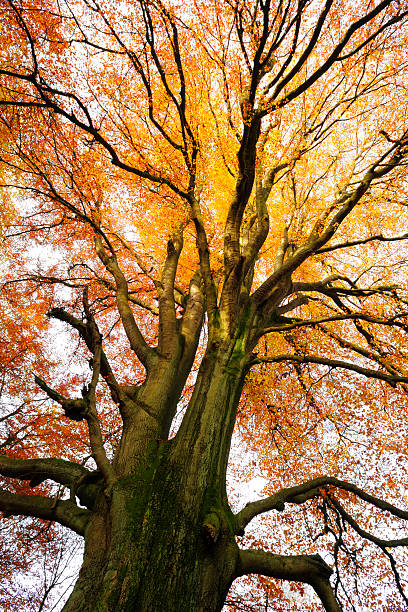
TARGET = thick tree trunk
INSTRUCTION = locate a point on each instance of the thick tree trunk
(163, 537)
(154, 554)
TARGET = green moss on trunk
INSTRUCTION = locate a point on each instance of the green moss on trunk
(166, 532)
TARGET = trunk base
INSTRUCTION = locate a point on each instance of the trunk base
(152, 549)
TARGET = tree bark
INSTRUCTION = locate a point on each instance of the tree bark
(162, 537)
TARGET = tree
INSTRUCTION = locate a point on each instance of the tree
(222, 187)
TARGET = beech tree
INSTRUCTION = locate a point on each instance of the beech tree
(210, 199)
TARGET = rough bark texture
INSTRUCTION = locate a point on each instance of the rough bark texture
(162, 537)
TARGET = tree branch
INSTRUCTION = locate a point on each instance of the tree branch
(259, 233)
(65, 512)
(82, 329)
(287, 324)
(334, 56)
(85, 407)
(321, 234)
(381, 357)
(38, 470)
(334, 363)
(89, 394)
(167, 312)
(311, 569)
(326, 594)
(193, 314)
(204, 257)
(137, 342)
(350, 243)
(298, 494)
(120, 393)
(362, 532)
(75, 409)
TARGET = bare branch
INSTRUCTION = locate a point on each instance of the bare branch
(38, 470)
(65, 512)
(82, 328)
(288, 324)
(137, 342)
(311, 569)
(298, 494)
(334, 363)
(362, 532)
(335, 55)
(351, 243)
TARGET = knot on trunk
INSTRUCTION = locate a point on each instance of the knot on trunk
(75, 409)
(88, 488)
(210, 528)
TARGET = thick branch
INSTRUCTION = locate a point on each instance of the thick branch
(335, 363)
(193, 314)
(298, 494)
(137, 342)
(311, 569)
(167, 310)
(243, 187)
(38, 470)
(75, 409)
(204, 256)
(65, 512)
(324, 591)
(258, 234)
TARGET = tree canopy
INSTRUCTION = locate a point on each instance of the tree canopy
(204, 224)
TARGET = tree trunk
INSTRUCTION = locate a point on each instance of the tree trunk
(163, 537)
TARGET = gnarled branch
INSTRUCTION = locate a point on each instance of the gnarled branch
(392, 379)
(86, 335)
(298, 494)
(38, 470)
(311, 569)
(65, 512)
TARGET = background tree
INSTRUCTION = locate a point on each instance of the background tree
(213, 203)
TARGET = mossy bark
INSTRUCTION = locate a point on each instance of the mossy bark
(162, 536)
